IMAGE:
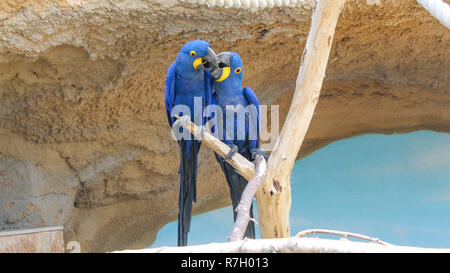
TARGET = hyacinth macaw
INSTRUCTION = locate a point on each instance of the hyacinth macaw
(244, 138)
(188, 79)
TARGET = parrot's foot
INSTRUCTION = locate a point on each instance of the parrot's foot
(256, 152)
(232, 152)
(179, 123)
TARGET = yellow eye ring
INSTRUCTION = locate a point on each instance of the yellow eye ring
(192, 53)
(237, 70)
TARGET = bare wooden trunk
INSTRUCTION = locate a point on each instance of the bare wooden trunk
(274, 197)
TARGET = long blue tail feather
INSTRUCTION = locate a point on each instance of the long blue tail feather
(188, 187)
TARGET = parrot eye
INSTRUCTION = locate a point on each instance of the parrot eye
(237, 70)
(192, 53)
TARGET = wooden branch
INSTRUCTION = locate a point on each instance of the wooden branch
(340, 233)
(33, 240)
(240, 163)
(290, 245)
(243, 209)
(274, 197)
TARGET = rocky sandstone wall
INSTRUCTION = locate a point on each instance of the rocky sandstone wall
(84, 141)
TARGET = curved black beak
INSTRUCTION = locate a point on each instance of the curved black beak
(216, 73)
(224, 60)
(209, 60)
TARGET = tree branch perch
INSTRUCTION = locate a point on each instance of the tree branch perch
(243, 209)
(240, 163)
(274, 197)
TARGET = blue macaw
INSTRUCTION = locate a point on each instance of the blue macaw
(188, 78)
(229, 92)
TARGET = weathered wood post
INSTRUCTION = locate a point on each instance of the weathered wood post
(274, 197)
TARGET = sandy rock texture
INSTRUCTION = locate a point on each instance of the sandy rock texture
(84, 141)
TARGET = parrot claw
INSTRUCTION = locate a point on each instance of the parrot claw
(256, 152)
(179, 122)
(232, 152)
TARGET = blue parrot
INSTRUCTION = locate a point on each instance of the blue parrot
(188, 80)
(243, 138)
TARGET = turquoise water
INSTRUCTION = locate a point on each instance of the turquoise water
(393, 187)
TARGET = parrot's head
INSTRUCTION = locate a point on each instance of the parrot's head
(197, 56)
(229, 68)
